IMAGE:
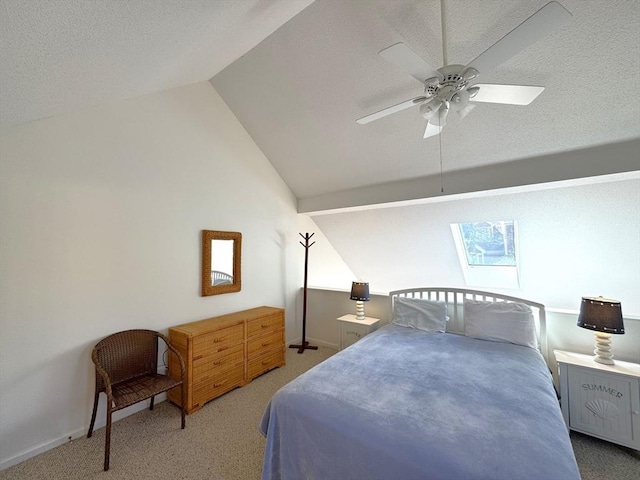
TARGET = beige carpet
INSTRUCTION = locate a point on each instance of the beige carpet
(222, 442)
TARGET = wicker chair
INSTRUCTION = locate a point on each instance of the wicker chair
(127, 372)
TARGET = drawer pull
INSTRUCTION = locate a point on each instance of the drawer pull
(265, 325)
(216, 385)
(266, 362)
(266, 344)
(222, 349)
(217, 340)
(217, 363)
(198, 357)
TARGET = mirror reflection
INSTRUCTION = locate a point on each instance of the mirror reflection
(220, 262)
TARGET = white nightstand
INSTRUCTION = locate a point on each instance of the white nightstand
(352, 330)
(600, 400)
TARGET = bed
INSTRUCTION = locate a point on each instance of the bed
(455, 387)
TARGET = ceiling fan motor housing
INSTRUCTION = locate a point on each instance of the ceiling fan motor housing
(451, 86)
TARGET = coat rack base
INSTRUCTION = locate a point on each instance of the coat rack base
(303, 346)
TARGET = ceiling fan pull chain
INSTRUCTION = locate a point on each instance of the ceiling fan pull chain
(441, 181)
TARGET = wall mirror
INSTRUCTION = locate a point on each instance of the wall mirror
(221, 253)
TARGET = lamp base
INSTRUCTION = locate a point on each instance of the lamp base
(359, 310)
(602, 352)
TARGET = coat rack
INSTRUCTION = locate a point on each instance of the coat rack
(304, 345)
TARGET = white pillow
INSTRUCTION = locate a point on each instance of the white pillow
(419, 313)
(500, 322)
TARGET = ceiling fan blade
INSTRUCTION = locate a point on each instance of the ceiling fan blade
(509, 94)
(390, 110)
(431, 130)
(545, 21)
(405, 58)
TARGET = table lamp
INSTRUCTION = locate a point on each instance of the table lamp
(360, 293)
(605, 318)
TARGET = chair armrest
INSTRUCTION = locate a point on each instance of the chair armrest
(103, 374)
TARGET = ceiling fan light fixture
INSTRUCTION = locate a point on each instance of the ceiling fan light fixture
(469, 73)
(473, 91)
(463, 112)
(459, 100)
(432, 81)
(440, 119)
(428, 109)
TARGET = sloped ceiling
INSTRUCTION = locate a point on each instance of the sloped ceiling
(298, 73)
(300, 91)
(64, 55)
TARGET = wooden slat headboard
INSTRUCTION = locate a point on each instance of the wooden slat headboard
(454, 298)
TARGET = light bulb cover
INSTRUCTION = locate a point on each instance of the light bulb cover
(459, 100)
(441, 118)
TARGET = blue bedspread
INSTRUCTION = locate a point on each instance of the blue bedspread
(402, 404)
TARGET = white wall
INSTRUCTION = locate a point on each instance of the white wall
(101, 213)
(574, 241)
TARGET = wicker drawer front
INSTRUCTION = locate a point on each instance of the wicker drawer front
(261, 326)
(217, 385)
(262, 364)
(261, 345)
(217, 341)
(217, 364)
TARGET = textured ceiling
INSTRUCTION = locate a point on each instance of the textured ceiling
(299, 73)
(300, 91)
(63, 55)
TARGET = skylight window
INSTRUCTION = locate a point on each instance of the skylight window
(487, 252)
(489, 243)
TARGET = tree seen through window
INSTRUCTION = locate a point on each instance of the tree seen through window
(489, 243)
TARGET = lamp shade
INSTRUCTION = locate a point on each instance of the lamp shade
(601, 315)
(360, 291)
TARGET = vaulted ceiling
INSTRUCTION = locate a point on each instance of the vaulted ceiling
(300, 91)
(298, 73)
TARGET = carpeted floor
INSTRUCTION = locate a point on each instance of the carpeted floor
(222, 442)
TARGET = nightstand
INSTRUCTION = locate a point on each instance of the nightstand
(352, 330)
(600, 400)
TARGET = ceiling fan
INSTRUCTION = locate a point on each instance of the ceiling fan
(449, 88)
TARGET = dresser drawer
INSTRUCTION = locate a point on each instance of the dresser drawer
(260, 345)
(217, 363)
(217, 341)
(260, 365)
(261, 326)
(217, 385)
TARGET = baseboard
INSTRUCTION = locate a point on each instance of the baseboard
(26, 455)
(76, 434)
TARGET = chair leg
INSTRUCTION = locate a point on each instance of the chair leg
(107, 439)
(183, 403)
(151, 405)
(93, 415)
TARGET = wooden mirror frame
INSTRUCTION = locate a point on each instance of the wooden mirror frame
(207, 237)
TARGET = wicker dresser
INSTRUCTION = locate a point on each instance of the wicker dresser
(226, 352)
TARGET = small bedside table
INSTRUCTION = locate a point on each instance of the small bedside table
(352, 330)
(600, 400)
